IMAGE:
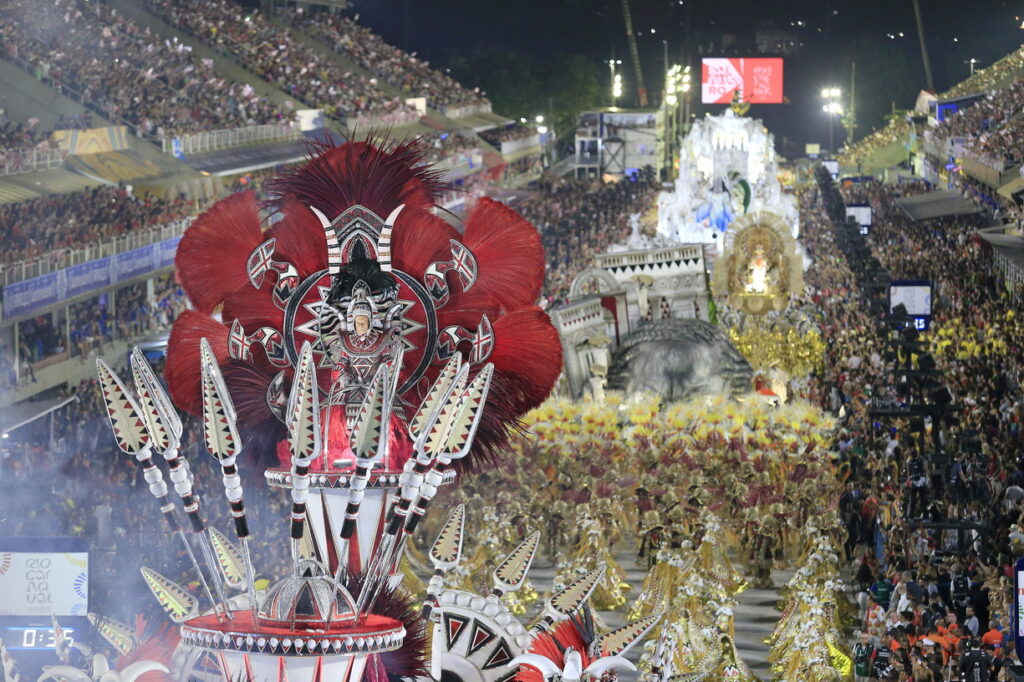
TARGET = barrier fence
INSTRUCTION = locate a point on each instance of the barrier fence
(18, 161)
(54, 261)
(212, 140)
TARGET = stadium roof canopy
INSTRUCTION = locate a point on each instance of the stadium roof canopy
(1011, 247)
(937, 204)
(15, 416)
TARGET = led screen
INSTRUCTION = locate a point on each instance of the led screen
(916, 296)
(861, 213)
(758, 80)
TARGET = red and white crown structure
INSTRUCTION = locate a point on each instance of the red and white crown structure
(378, 354)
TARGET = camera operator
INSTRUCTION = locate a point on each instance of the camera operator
(917, 484)
(960, 589)
(883, 664)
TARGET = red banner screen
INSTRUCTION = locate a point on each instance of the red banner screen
(758, 80)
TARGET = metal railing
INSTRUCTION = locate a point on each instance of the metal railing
(512, 146)
(685, 252)
(18, 161)
(212, 140)
(372, 121)
(467, 110)
(64, 258)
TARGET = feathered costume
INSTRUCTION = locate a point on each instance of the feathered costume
(357, 264)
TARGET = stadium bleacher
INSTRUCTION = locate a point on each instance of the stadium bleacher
(157, 87)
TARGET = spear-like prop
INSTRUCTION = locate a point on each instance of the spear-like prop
(459, 421)
(369, 434)
(164, 427)
(175, 599)
(422, 425)
(569, 599)
(428, 426)
(455, 430)
(132, 438)
(304, 436)
(223, 443)
(445, 555)
(117, 634)
(510, 574)
(420, 428)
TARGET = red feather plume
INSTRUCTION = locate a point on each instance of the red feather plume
(375, 174)
(157, 642)
(183, 373)
(300, 239)
(553, 645)
(527, 361)
(511, 249)
(253, 309)
(212, 255)
(419, 239)
(528, 351)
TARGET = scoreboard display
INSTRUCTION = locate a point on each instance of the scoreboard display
(21, 637)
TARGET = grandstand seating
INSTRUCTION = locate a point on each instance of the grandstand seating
(270, 51)
(157, 87)
(411, 75)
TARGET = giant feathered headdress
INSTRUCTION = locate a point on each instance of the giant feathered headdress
(355, 227)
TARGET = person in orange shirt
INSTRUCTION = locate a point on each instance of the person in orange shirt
(993, 638)
(937, 635)
(951, 630)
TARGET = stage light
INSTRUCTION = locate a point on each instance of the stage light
(6, 435)
(539, 118)
(543, 130)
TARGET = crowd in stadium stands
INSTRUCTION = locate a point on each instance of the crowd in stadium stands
(66, 221)
(441, 145)
(92, 324)
(271, 52)
(856, 154)
(992, 127)
(921, 594)
(413, 76)
(578, 219)
(526, 167)
(20, 142)
(984, 80)
(159, 86)
(496, 136)
(15, 135)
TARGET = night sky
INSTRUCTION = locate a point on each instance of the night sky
(956, 31)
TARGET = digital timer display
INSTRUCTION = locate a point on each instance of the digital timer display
(34, 637)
